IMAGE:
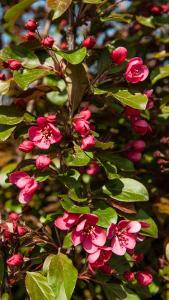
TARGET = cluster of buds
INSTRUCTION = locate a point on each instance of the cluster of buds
(143, 278)
(156, 9)
(83, 127)
(134, 150)
(162, 160)
(98, 243)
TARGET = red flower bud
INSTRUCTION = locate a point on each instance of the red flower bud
(141, 126)
(129, 276)
(43, 162)
(14, 217)
(89, 42)
(29, 36)
(131, 112)
(48, 41)
(26, 146)
(14, 64)
(144, 278)
(21, 230)
(63, 46)
(134, 156)
(138, 257)
(119, 55)
(31, 25)
(15, 260)
(155, 9)
(2, 76)
(88, 142)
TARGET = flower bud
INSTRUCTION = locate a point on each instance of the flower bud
(119, 55)
(43, 162)
(31, 25)
(29, 36)
(144, 278)
(14, 64)
(63, 23)
(88, 142)
(131, 112)
(138, 145)
(129, 276)
(63, 46)
(93, 168)
(48, 41)
(134, 156)
(89, 42)
(21, 230)
(14, 217)
(141, 126)
(15, 260)
(138, 257)
(26, 146)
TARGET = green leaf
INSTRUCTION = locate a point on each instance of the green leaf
(4, 86)
(27, 57)
(10, 115)
(28, 76)
(59, 7)
(79, 159)
(104, 146)
(77, 83)
(68, 205)
(106, 216)
(119, 292)
(122, 18)
(67, 242)
(5, 296)
(159, 73)
(62, 276)
(120, 162)
(47, 263)
(4, 174)
(148, 22)
(15, 11)
(126, 190)
(57, 98)
(5, 132)
(38, 287)
(110, 170)
(75, 57)
(93, 1)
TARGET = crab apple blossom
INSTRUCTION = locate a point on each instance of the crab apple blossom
(15, 260)
(93, 168)
(136, 71)
(14, 217)
(81, 126)
(144, 278)
(26, 146)
(14, 64)
(119, 55)
(88, 142)
(27, 185)
(66, 221)
(48, 41)
(99, 258)
(42, 162)
(45, 133)
(31, 25)
(123, 236)
(88, 234)
(141, 126)
(129, 276)
(89, 42)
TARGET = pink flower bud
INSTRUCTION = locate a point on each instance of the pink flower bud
(138, 145)
(31, 25)
(165, 8)
(2, 76)
(14, 217)
(131, 112)
(141, 126)
(29, 36)
(93, 168)
(43, 162)
(119, 55)
(48, 41)
(15, 260)
(14, 64)
(138, 257)
(89, 42)
(21, 230)
(155, 9)
(144, 278)
(26, 146)
(129, 276)
(134, 156)
(88, 142)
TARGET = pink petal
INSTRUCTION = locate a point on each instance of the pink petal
(116, 247)
(145, 73)
(88, 246)
(19, 178)
(59, 223)
(56, 134)
(27, 192)
(35, 133)
(133, 227)
(130, 241)
(94, 256)
(91, 219)
(111, 231)
(99, 238)
(81, 225)
(77, 238)
(43, 143)
(134, 61)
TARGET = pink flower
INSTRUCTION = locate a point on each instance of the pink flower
(89, 234)
(67, 221)
(136, 71)
(45, 134)
(119, 55)
(88, 142)
(48, 41)
(99, 258)
(21, 230)
(81, 126)
(123, 236)
(131, 112)
(89, 42)
(14, 217)
(141, 126)
(85, 113)
(93, 168)
(15, 260)
(129, 276)
(26, 184)
(144, 278)
(26, 146)
(43, 162)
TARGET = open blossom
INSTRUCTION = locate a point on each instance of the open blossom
(15, 260)
(144, 278)
(93, 168)
(27, 185)
(80, 122)
(88, 233)
(42, 162)
(66, 221)
(141, 126)
(123, 236)
(136, 71)
(99, 258)
(119, 55)
(45, 133)
(88, 142)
